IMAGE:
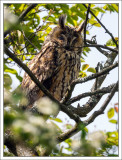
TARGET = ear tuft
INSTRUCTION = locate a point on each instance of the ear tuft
(62, 19)
(81, 27)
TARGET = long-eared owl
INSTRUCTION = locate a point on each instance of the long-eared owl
(57, 64)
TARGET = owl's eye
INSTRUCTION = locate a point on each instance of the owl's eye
(61, 37)
(75, 40)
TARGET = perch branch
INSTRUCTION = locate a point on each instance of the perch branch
(41, 86)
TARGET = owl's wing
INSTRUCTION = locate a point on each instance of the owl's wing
(44, 68)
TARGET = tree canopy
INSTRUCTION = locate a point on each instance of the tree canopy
(30, 133)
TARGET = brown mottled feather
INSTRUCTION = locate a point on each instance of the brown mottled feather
(57, 64)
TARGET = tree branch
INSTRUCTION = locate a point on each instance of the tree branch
(67, 134)
(27, 70)
(102, 51)
(107, 31)
(103, 91)
(41, 86)
(101, 110)
(92, 76)
(86, 23)
(21, 17)
(30, 42)
(99, 45)
(75, 129)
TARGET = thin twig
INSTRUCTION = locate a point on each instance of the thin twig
(21, 17)
(107, 31)
(86, 23)
(32, 35)
(99, 45)
(30, 42)
(103, 90)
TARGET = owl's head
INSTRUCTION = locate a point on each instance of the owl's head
(65, 36)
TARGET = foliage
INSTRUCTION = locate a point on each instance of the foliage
(25, 41)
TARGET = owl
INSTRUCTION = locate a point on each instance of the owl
(57, 64)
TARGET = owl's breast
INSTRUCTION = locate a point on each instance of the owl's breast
(68, 69)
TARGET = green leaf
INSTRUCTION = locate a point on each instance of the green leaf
(82, 8)
(52, 19)
(84, 54)
(87, 32)
(7, 81)
(100, 9)
(69, 149)
(12, 71)
(113, 121)
(111, 43)
(82, 74)
(111, 7)
(94, 22)
(87, 49)
(85, 66)
(82, 60)
(68, 141)
(69, 19)
(81, 14)
(91, 69)
(115, 7)
(56, 119)
(110, 113)
(86, 129)
(95, 13)
(92, 5)
(68, 126)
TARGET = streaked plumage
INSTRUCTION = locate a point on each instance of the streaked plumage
(57, 64)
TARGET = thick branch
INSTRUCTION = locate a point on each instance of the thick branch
(27, 70)
(103, 91)
(41, 86)
(103, 107)
(68, 134)
(75, 129)
(102, 51)
(92, 76)
(21, 17)
(18, 148)
(107, 31)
